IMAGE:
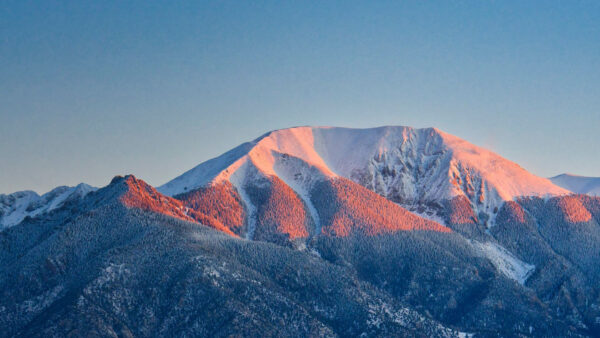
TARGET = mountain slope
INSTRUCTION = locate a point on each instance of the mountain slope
(134, 193)
(578, 184)
(124, 262)
(128, 260)
(408, 166)
(341, 206)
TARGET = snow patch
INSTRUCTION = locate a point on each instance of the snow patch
(251, 213)
(110, 274)
(505, 262)
(239, 180)
(300, 178)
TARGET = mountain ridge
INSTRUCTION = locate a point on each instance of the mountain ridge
(406, 165)
(315, 146)
(16, 206)
(578, 184)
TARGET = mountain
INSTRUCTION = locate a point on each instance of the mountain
(439, 175)
(578, 184)
(126, 261)
(392, 160)
(315, 182)
(388, 231)
(16, 206)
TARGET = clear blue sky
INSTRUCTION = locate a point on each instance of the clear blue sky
(89, 90)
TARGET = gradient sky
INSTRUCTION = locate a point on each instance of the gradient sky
(89, 90)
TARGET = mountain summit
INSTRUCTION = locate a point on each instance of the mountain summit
(401, 159)
(405, 165)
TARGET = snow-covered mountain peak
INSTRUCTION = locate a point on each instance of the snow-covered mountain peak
(401, 163)
(296, 142)
(16, 206)
(331, 151)
(578, 184)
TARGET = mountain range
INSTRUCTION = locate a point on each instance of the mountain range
(310, 231)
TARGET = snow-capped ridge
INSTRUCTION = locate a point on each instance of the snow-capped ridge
(578, 184)
(403, 164)
(16, 206)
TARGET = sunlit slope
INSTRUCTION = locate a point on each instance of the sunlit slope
(424, 167)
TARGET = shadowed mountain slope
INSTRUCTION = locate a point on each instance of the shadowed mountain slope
(118, 266)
